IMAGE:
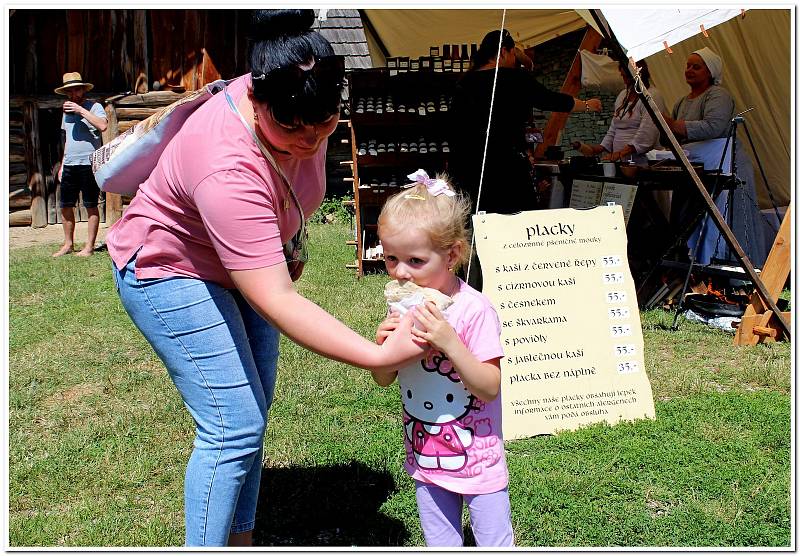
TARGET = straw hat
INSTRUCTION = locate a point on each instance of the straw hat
(73, 79)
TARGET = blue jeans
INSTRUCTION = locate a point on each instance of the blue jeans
(222, 357)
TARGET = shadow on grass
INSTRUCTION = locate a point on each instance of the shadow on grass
(326, 506)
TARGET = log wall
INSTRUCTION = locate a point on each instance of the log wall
(124, 53)
(137, 60)
(19, 195)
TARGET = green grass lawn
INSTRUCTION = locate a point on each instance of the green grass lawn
(99, 437)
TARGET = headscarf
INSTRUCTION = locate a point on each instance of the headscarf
(713, 63)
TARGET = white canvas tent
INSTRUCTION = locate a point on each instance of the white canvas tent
(757, 49)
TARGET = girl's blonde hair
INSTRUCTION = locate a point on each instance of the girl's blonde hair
(442, 217)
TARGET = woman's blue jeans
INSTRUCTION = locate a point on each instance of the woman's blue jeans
(222, 357)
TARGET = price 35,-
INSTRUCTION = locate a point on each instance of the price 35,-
(627, 367)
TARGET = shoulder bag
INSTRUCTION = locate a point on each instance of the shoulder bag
(125, 162)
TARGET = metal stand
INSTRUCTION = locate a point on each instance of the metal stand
(732, 135)
(701, 236)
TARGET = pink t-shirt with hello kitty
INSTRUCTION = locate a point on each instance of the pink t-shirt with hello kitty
(213, 203)
(453, 439)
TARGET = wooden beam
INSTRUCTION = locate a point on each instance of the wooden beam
(52, 44)
(209, 72)
(113, 210)
(29, 83)
(22, 201)
(18, 180)
(139, 60)
(194, 22)
(125, 125)
(572, 86)
(120, 78)
(20, 218)
(52, 200)
(137, 113)
(774, 274)
(76, 41)
(154, 98)
(98, 69)
(33, 153)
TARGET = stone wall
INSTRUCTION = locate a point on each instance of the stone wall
(551, 63)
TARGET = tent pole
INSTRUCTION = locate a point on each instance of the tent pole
(676, 149)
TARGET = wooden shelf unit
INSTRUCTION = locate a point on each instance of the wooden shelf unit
(378, 175)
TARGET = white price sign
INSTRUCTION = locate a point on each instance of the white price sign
(566, 298)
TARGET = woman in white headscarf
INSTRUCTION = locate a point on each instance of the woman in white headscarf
(706, 113)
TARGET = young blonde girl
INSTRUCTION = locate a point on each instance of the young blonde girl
(451, 402)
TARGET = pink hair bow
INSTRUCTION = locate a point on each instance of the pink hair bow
(435, 186)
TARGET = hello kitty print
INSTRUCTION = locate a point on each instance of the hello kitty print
(452, 438)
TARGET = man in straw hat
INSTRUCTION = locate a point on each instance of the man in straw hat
(81, 125)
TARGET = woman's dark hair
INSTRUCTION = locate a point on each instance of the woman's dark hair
(644, 74)
(281, 39)
(488, 48)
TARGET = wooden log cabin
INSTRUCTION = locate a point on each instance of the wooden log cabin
(138, 61)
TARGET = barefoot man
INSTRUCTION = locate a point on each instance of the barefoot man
(81, 127)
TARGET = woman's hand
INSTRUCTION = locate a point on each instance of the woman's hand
(437, 331)
(270, 291)
(402, 344)
(594, 105)
(389, 325)
(622, 154)
(523, 59)
(678, 127)
(590, 105)
(586, 149)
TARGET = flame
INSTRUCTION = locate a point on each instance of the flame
(718, 294)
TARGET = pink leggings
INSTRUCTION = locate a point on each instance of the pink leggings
(440, 514)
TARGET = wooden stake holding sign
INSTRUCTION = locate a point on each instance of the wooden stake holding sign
(561, 285)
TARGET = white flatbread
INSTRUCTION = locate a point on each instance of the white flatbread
(402, 297)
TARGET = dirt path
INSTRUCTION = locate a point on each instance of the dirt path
(25, 236)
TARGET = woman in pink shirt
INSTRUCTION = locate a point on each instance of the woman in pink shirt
(206, 253)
